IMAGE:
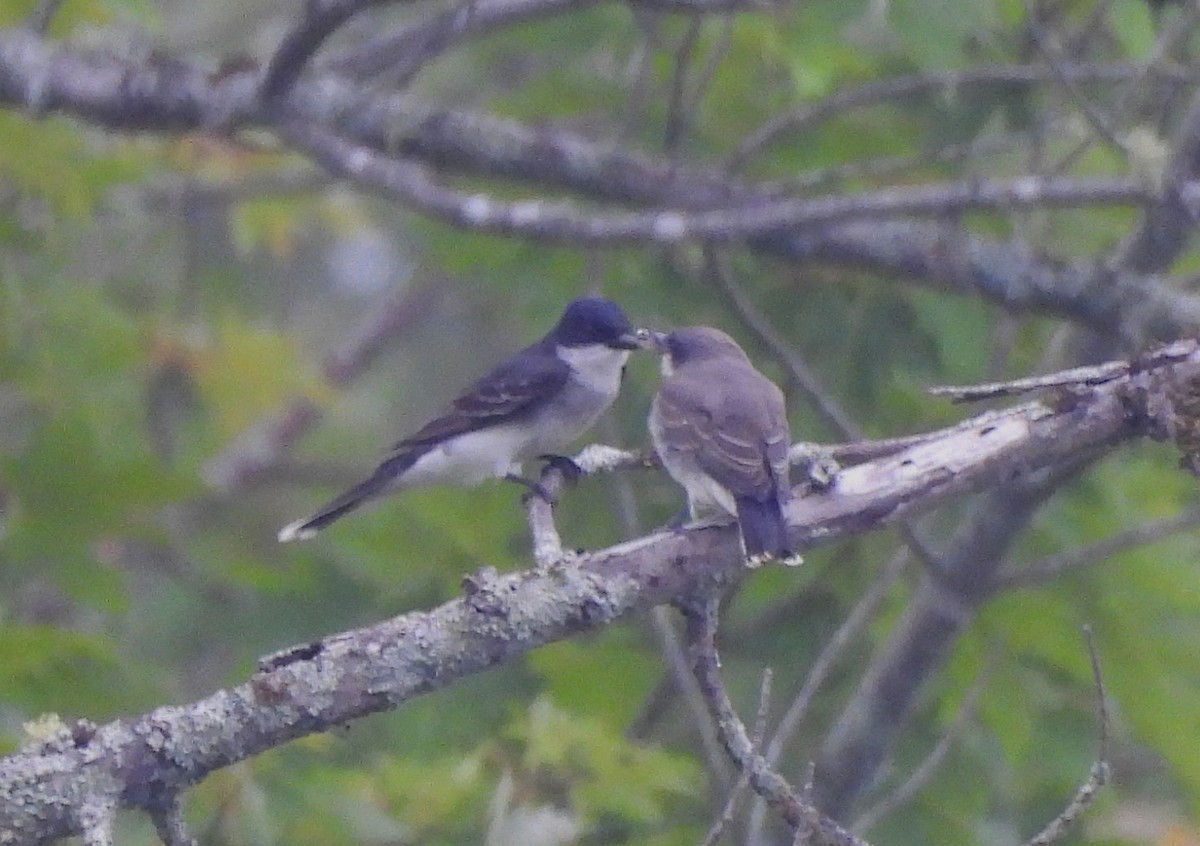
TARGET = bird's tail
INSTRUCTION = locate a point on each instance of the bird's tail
(338, 507)
(764, 531)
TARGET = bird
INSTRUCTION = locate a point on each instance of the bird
(532, 404)
(720, 429)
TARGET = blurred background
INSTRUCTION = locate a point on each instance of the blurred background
(202, 338)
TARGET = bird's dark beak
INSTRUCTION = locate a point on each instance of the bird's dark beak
(638, 339)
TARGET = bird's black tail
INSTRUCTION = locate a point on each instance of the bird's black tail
(764, 531)
(338, 507)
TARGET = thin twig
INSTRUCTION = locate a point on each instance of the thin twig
(386, 58)
(1052, 567)
(677, 663)
(856, 621)
(893, 89)
(171, 827)
(441, 33)
(321, 19)
(799, 374)
(760, 727)
(1097, 777)
(548, 551)
(677, 118)
(924, 771)
(42, 16)
(797, 813)
(1090, 376)
(1099, 123)
(716, 55)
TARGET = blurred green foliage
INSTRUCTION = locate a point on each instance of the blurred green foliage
(145, 326)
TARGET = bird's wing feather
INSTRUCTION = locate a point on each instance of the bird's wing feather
(738, 434)
(507, 393)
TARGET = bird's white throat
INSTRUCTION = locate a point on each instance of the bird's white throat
(595, 366)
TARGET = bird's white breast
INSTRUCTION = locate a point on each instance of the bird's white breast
(595, 367)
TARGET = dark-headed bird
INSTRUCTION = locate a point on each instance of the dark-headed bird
(720, 429)
(535, 403)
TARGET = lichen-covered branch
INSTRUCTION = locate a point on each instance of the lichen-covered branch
(53, 788)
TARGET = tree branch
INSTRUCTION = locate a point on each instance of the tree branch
(144, 762)
(801, 816)
(170, 95)
(321, 19)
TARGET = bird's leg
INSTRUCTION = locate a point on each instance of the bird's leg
(693, 516)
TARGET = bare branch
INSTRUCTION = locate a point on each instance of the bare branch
(315, 686)
(756, 738)
(567, 222)
(678, 117)
(1099, 774)
(948, 82)
(1052, 567)
(799, 814)
(1131, 308)
(174, 95)
(42, 16)
(799, 374)
(856, 621)
(415, 185)
(169, 822)
(321, 19)
(921, 775)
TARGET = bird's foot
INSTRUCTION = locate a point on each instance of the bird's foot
(819, 468)
(571, 471)
(532, 489)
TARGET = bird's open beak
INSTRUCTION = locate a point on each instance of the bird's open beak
(638, 339)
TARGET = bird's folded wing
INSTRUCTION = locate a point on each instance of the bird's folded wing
(507, 393)
(727, 446)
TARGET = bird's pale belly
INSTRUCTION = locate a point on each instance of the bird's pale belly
(497, 451)
(469, 459)
(705, 496)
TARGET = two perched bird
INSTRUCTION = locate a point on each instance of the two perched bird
(718, 425)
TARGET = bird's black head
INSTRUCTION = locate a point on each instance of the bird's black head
(595, 320)
(697, 343)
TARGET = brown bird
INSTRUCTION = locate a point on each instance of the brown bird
(720, 428)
